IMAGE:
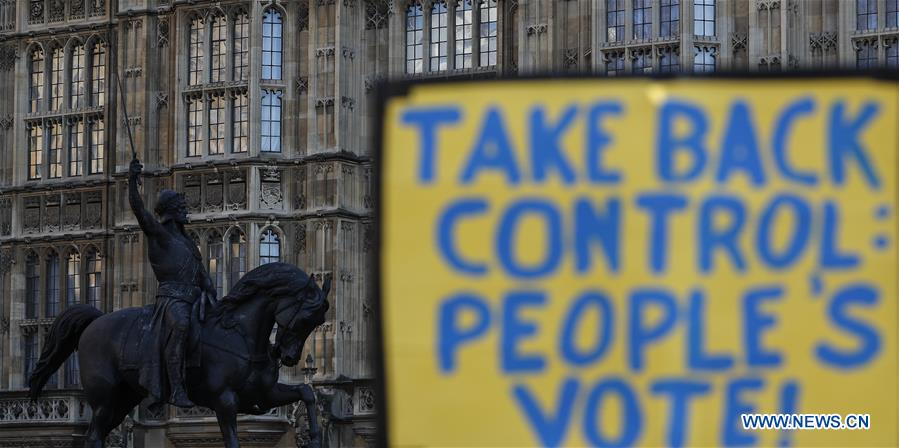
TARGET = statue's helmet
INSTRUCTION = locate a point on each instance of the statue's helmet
(168, 201)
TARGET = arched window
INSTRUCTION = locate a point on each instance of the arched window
(215, 255)
(464, 21)
(415, 25)
(439, 49)
(36, 85)
(73, 278)
(32, 285)
(488, 32)
(237, 257)
(56, 78)
(76, 96)
(271, 44)
(51, 291)
(30, 351)
(76, 147)
(269, 247)
(195, 51)
(98, 74)
(97, 145)
(241, 62)
(54, 150)
(219, 49)
(94, 277)
(216, 124)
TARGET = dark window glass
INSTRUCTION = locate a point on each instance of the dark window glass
(51, 291)
(237, 258)
(271, 44)
(670, 18)
(642, 19)
(614, 20)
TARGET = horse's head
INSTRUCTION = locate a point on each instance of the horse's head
(299, 318)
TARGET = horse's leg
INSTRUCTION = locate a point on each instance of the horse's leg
(109, 413)
(226, 414)
(283, 394)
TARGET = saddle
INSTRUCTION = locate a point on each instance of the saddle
(141, 336)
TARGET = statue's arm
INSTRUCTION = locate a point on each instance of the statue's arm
(147, 222)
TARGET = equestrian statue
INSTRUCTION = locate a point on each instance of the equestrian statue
(189, 348)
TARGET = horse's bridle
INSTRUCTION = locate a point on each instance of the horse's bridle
(288, 329)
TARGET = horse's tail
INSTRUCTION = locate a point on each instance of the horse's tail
(60, 344)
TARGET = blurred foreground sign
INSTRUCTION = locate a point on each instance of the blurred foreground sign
(638, 262)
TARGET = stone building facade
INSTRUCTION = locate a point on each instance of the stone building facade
(260, 113)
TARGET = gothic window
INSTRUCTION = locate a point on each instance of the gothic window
(669, 60)
(866, 14)
(94, 279)
(642, 19)
(76, 147)
(56, 78)
(439, 49)
(194, 127)
(97, 146)
(269, 247)
(241, 61)
(271, 121)
(217, 125)
(892, 52)
(215, 255)
(892, 13)
(464, 36)
(51, 291)
(614, 63)
(54, 154)
(30, 352)
(32, 285)
(704, 59)
(98, 74)
(195, 51)
(73, 278)
(271, 44)
(219, 50)
(614, 20)
(72, 371)
(488, 32)
(641, 61)
(865, 54)
(36, 85)
(237, 257)
(35, 150)
(414, 38)
(240, 125)
(76, 97)
(670, 18)
(704, 18)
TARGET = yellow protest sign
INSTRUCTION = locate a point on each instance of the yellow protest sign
(639, 262)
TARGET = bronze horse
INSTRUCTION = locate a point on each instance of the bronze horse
(238, 367)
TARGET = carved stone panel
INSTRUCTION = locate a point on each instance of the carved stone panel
(5, 216)
(214, 193)
(52, 213)
(271, 196)
(71, 217)
(93, 210)
(237, 191)
(191, 188)
(31, 219)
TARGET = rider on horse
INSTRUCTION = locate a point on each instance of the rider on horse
(183, 280)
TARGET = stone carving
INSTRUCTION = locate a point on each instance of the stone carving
(93, 210)
(302, 84)
(5, 216)
(536, 29)
(570, 58)
(270, 196)
(376, 12)
(36, 12)
(324, 52)
(162, 100)
(237, 191)
(214, 194)
(71, 216)
(192, 189)
(768, 5)
(122, 436)
(826, 41)
(348, 52)
(31, 220)
(98, 7)
(738, 42)
(366, 399)
(7, 258)
(57, 10)
(347, 103)
(51, 214)
(76, 8)
(8, 55)
(303, 16)
(300, 237)
(162, 32)
(43, 410)
(194, 412)
(367, 237)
